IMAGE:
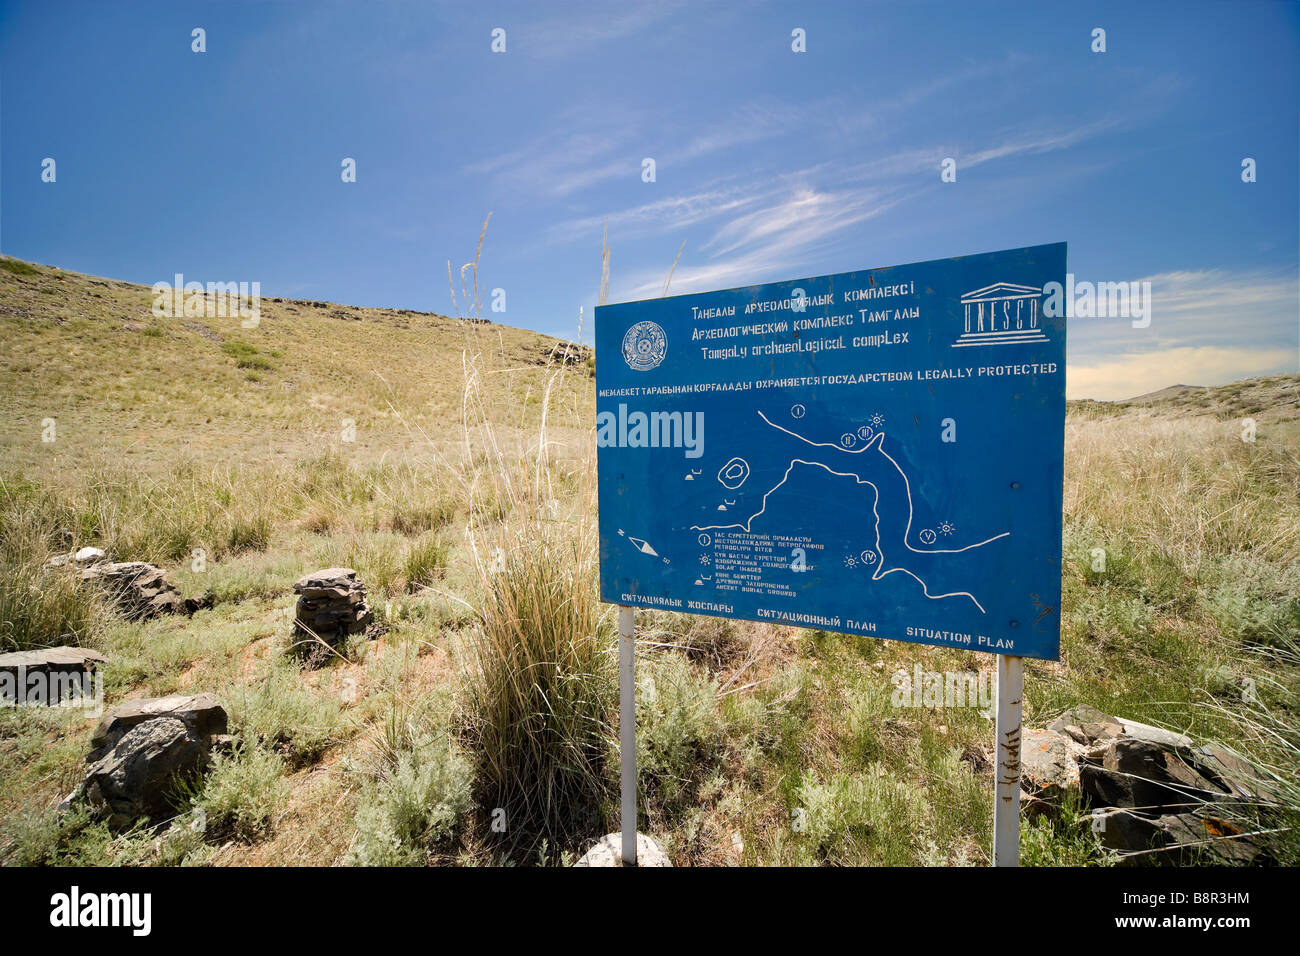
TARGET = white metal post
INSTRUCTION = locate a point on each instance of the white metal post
(1006, 800)
(627, 731)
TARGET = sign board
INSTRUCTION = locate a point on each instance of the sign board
(874, 453)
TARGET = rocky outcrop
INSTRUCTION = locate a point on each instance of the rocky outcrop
(1153, 794)
(139, 589)
(564, 353)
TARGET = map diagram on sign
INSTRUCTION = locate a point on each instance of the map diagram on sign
(889, 547)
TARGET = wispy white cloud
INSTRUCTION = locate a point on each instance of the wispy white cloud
(660, 215)
(571, 35)
(1194, 308)
(1032, 143)
(777, 236)
(559, 166)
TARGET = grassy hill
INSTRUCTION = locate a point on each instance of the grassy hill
(89, 353)
(466, 503)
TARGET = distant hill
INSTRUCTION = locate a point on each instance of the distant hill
(1274, 398)
(1169, 392)
(88, 353)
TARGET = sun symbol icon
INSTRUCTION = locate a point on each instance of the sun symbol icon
(947, 527)
(877, 420)
(704, 559)
(850, 561)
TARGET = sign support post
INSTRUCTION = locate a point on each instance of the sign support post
(627, 731)
(1006, 802)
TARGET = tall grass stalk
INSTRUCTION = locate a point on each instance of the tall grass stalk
(538, 678)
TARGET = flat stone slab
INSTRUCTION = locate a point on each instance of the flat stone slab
(608, 851)
(52, 658)
(327, 580)
(64, 670)
(1155, 735)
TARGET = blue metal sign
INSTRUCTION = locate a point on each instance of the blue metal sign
(876, 453)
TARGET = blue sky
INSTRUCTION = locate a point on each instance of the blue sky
(770, 164)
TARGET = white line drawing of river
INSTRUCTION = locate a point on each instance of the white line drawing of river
(881, 570)
(878, 443)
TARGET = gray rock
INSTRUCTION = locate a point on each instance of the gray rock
(1125, 830)
(1155, 735)
(133, 780)
(1090, 727)
(1228, 771)
(608, 851)
(1087, 725)
(1172, 838)
(53, 658)
(1157, 796)
(201, 713)
(69, 665)
(1144, 775)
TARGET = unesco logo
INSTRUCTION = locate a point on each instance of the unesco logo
(1003, 313)
(644, 346)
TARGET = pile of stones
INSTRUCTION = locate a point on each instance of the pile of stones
(331, 605)
(140, 590)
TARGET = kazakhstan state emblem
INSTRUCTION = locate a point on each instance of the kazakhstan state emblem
(644, 346)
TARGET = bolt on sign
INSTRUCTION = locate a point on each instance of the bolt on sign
(876, 453)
